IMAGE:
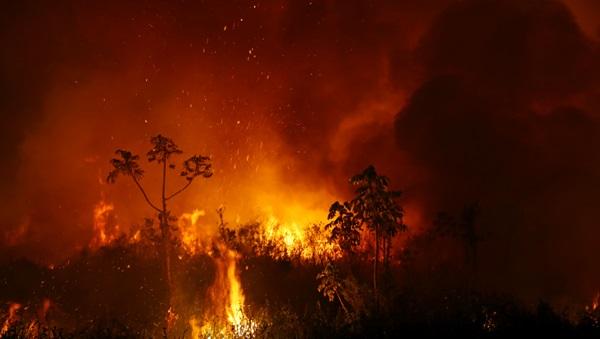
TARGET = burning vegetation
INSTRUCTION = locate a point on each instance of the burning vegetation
(315, 169)
(215, 281)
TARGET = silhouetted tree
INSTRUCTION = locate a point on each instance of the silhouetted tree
(345, 228)
(334, 286)
(163, 149)
(330, 284)
(375, 207)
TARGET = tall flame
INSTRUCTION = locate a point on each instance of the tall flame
(227, 315)
(235, 308)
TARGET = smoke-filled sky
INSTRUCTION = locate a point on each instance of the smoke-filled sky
(456, 101)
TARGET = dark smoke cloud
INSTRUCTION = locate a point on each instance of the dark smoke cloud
(503, 120)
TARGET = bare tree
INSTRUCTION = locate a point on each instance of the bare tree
(163, 149)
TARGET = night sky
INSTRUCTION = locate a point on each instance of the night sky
(495, 102)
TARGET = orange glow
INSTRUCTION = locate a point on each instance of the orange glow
(43, 310)
(235, 308)
(291, 231)
(196, 329)
(595, 303)
(11, 317)
(106, 230)
(227, 314)
(15, 236)
(295, 239)
(195, 238)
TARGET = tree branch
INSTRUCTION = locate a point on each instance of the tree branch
(180, 190)
(145, 195)
(342, 303)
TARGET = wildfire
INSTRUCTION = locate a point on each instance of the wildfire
(301, 235)
(106, 230)
(195, 326)
(292, 239)
(13, 308)
(28, 325)
(235, 308)
(195, 239)
(291, 231)
(227, 316)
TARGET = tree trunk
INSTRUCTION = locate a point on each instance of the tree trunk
(166, 229)
(166, 248)
(166, 252)
(375, 266)
(342, 303)
(386, 252)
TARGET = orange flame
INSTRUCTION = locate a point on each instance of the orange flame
(235, 308)
(106, 230)
(293, 239)
(227, 315)
(192, 238)
(13, 308)
(300, 234)
(293, 229)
